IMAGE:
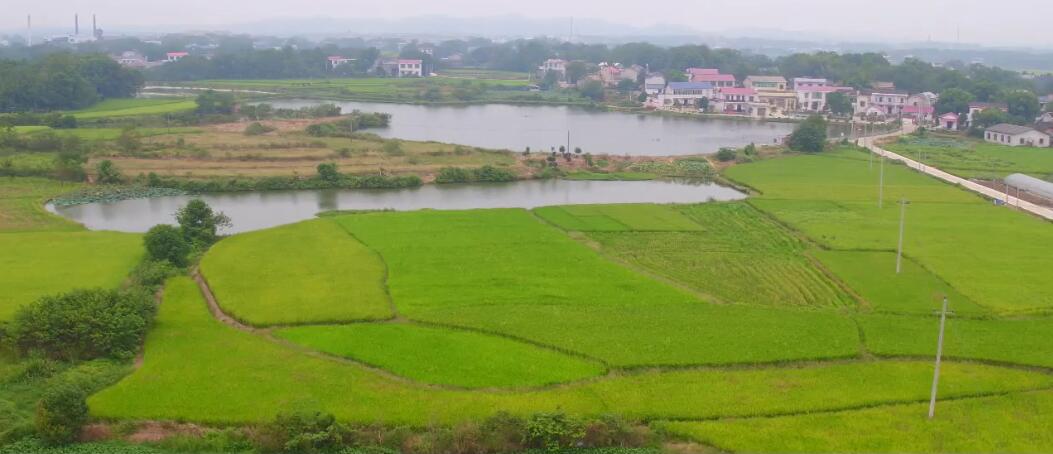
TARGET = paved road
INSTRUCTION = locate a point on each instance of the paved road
(1038, 210)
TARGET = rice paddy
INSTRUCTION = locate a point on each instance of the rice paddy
(133, 107)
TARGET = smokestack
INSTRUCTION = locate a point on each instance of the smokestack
(94, 27)
(29, 30)
(76, 24)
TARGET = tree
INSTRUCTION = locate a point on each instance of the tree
(990, 117)
(214, 102)
(954, 100)
(550, 80)
(129, 142)
(166, 243)
(61, 413)
(199, 223)
(576, 70)
(726, 154)
(839, 103)
(1023, 106)
(327, 171)
(703, 104)
(592, 89)
(108, 173)
(810, 135)
(627, 85)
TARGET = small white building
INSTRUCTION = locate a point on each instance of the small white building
(813, 98)
(685, 93)
(654, 85)
(336, 60)
(1016, 136)
(411, 68)
(175, 56)
(557, 65)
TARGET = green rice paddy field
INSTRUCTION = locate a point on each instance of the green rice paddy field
(775, 324)
(975, 158)
(134, 106)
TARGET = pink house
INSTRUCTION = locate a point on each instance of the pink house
(921, 114)
(741, 101)
(949, 121)
(175, 56)
(711, 76)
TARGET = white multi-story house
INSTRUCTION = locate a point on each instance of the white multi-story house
(557, 65)
(336, 60)
(813, 98)
(765, 83)
(411, 68)
(889, 103)
(808, 82)
(685, 93)
(654, 85)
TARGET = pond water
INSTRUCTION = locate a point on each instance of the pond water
(515, 127)
(258, 210)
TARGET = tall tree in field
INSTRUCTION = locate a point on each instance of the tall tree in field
(809, 136)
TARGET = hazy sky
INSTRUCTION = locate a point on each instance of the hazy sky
(1002, 22)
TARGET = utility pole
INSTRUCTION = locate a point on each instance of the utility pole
(939, 355)
(881, 184)
(899, 249)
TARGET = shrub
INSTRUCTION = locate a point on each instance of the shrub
(151, 274)
(809, 136)
(393, 148)
(302, 432)
(167, 243)
(553, 431)
(487, 173)
(726, 154)
(257, 129)
(84, 324)
(61, 413)
(453, 175)
(750, 149)
(328, 172)
(504, 432)
(108, 173)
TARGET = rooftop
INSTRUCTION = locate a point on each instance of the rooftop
(771, 79)
(690, 86)
(702, 71)
(1008, 129)
(713, 78)
(738, 91)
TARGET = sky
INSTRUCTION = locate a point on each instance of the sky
(1001, 23)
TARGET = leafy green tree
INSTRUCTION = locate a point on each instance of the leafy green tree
(129, 141)
(726, 154)
(809, 136)
(1023, 106)
(550, 80)
(627, 85)
(990, 117)
(108, 173)
(554, 431)
(166, 243)
(199, 224)
(838, 103)
(214, 102)
(592, 89)
(304, 432)
(675, 75)
(61, 413)
(954, 100)
(576, 70)
(327, 171)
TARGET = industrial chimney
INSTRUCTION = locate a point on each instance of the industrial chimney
(29, 30)
(94, 27)
(76, 25)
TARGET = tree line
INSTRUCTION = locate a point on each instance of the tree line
(63, 81)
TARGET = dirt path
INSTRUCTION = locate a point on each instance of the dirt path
(214, 308)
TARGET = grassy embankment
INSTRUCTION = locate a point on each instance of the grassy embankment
(975, 158)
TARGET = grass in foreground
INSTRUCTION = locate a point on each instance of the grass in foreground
(311, 272)
(505, 271)
(198, 369)
(739, 256)
(986, 252)
(1012, 423)
(444, 356)
(37, 264)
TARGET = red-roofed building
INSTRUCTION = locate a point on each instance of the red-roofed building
(691, 72)
(949, 121)
(411, 68)
(175, 56)
(718, 80)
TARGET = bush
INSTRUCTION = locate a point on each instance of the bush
(257, 129)
(61, 413)
(726, 154)
(108, 173)
(328, 172)
(152, 274)
(554, 431)
(809, 136)
(487, 173)
(84, 324)
(393, 148)
(199, 224)
(168, 244)
(302, 432)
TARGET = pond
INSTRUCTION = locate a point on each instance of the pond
(258, 210)
(515, 127)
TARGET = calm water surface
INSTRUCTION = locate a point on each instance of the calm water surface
(257, 210)
(515, 127)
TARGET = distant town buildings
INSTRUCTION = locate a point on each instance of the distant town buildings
(172, 57)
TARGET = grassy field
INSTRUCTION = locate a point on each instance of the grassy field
(833, 199)
(444, 356)
(22, 205)
(198, 369)
(734, 253)
(1012, 423)
(133, 107)
(872, 275)
(975, 158)
(505, 271)
(617, 218)
(309, 272)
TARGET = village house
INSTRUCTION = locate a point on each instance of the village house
(654, 85)
(890, 103)
(949, 121)
(175, 56)
(813, 98)
(765, 83)
(711, 76)
(808, 82)
(131, 59)
(1016, 136)
(409, 67)
(685, 93)
(740, 101)
(556, 65)
(921, 107)
(336, 60)
(977, 107)
(780, 103)
(611, 75)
